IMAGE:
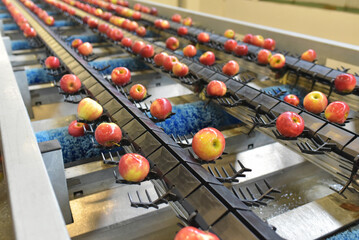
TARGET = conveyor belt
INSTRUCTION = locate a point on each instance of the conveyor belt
(339, 136)
(229, 217)
(297, 66)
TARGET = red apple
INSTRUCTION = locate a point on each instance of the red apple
(208, 144)
(337, 112)
(52, 62)
(182, 31)
(133, 167)
(89, 109)
(187, 21)
(49, 20)
(76, 43)
(248, 38)
(216, 88)
(106, 16)
(290, 124)
(315, 102)
(127, 42)
(85, 49)
(85, 19)
(263, 56)
(291, 99)
(203, 37)
(230, 45)
(345, 83)
(208, 58)
(277, 61)
(125, 23)
(189, 51)
(231, 68)
(161, 108)
(116, 34)
(168, 62)
(103, 27)
(92, 22)
(137, 46)
(180, 69)
(141, 31)
(310, 55)
(70, 83)
(241, 50)
(138, 92)
(154, 11)
(132, 26)
(29, 32)
(172, 43)
(147, 51)
(159, 58)
(120, 76)
(158, 23)
(192, 233)
(269, 44)
(145, 9)
(229, 33)
(108, 134)
(136, 15)
(76, 129)
(176, 18)
(137, 7)
(165, 24)
(258, 40)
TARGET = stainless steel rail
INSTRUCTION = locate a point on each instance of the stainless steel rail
(34, 208)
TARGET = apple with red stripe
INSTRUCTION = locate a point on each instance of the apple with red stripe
(263, 56)
(208, 144)
(141, 31)
(290, 124)
(176, 18)
(277, 61)
(137, 46)
(182, 31)
(216, 88)
(89, 110)
(159, 58)
(76, 129)
(126, 42)
(269, 44)
(258, 41)
(291, 99)
(85, 49)
(337, 112)
(120, 76)
(345, 83)
(208, 58)
(138, 92)
(76, 43)
(168, 62)
(310, 55)
(70, 83)
(52, 62)
(180, 69)
(230, 45)
(108, 134)
(241, 50)
(248, 38)
(189, 51)
(315, 102)
(192, 233)
(172, 43)
(203, 37)
(133, 167)
(231, 68)
(161, 108)
(147, 51)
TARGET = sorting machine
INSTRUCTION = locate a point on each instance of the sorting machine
(265, 186)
